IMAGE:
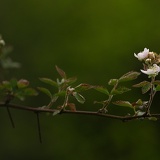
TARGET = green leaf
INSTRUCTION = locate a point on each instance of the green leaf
(139, 102)
(71, 80)
(158, 88)
(140, 113)
(49, 81)
(30, 92)
(6, 85)
(45, 91)
(129, 76)
(153, 118)
(83, 87)
(20, 97)
(61, 72)
(120, 90)
(56, 112)
(112, 82)
(157, 82)
(123, 103)
(13, 83)
(141, 84)
(146, 88)
(61, 93)
(101, 89)
(79, 97)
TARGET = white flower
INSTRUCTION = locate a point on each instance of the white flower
(142, 55)
(152, 71)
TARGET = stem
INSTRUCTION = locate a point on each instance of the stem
(152, 94)
(53, 100)
(66, 99)
(32, 109)
(104, 108)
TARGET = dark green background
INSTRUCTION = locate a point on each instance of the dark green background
(95, 41)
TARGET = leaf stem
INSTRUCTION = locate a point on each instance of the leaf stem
(104, 108)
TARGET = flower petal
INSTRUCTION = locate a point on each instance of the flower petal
(153, 70)
(142, 55)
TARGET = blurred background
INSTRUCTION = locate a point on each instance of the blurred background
(94, 41)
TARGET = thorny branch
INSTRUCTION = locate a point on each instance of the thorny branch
(20, 89)
(45, 110)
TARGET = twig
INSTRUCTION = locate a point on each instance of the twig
(152, 94)
(39, 110)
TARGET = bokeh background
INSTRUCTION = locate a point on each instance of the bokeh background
(95, 41)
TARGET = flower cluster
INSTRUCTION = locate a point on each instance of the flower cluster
(151, 61)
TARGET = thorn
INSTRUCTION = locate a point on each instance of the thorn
(39, 128)
(10, 117)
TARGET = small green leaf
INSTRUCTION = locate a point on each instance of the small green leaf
(79, 97)
(101, 89)
(61, 72)
(112, 82)
(45, 91)
(158, 88)
(13, 83)
(6, 85)
(146, 88)
(61, 93)
(20, 97)
(123, 103)
(152, 118)
(139, 102)
(157, 82)
(56, 112)
(140, 113)
(129, 76)
(71, 80)
(49, 81)
(120, 90)
(141, 84)
(30, 92)
(83, 87)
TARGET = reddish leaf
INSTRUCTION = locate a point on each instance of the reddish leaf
(141, 84)
(72, 106)
(61, 72)
(123, 103)
(129, 76)
(83, 87)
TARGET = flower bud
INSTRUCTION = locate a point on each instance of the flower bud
(22, 83)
